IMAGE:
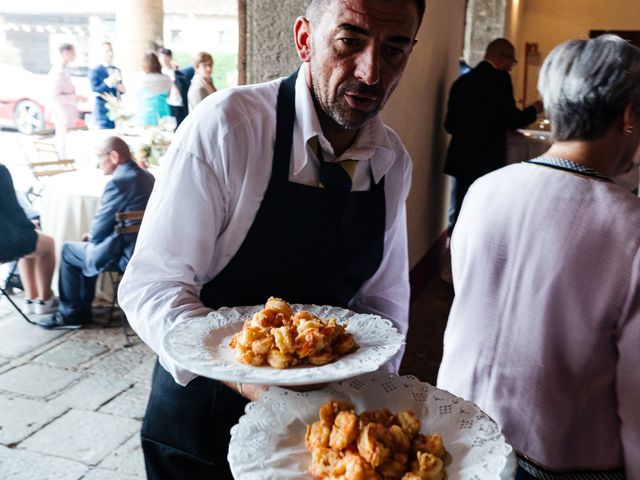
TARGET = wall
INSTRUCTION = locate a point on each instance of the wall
(550, 22)
(415, 112)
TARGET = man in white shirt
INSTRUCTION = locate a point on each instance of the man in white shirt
(243, 218)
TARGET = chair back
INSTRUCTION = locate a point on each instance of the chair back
(43, 159)
(125, 221)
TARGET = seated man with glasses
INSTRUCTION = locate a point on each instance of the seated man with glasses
(101, 249)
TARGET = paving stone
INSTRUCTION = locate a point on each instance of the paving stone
(127, 459)
(92, 392)
(3, 361)
(84, 436)
(111, 336)
(71, 354)
(142, 373)
(104, 474)
(121, 362)
(131, 403)
(18, 464)
(36, 380)
(20, 417)
(18, 337)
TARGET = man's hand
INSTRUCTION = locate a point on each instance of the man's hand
(248, 390)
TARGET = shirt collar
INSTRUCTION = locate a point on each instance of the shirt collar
(371, 143)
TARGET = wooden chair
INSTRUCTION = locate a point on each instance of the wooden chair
(127, 223)
(46, 162)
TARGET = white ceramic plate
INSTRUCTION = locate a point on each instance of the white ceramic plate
(201, 345)
(269, 440)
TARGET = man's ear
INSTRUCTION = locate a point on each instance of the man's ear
(302, 34)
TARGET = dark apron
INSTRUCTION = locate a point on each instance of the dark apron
(306, 245)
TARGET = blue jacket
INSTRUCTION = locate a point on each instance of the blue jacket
(97, 76)
(129, 189)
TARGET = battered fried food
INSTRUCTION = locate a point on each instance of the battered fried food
(280, 338)
(375, 445)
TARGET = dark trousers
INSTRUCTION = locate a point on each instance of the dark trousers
(459, 187)
(185, 433)
(179, 113)
(76, 290)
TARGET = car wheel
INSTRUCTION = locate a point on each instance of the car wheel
(28, 117)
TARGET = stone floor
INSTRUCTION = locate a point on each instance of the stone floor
(71, 403)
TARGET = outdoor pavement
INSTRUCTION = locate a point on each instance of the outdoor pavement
(71, 402)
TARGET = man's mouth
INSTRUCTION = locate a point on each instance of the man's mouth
(360, 101)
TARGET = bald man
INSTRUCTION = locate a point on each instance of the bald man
(101, 249)
(481, 109)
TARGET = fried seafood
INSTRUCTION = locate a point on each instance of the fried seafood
(282, 339)
(375, 445)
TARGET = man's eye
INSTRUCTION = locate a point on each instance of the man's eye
(393, 51)
(350, 42)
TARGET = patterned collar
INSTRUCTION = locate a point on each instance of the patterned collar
(568, 166)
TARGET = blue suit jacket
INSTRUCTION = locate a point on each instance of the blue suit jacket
(129, 189)
(97, 76)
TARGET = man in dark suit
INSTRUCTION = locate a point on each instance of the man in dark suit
(480, 111)
(101, 249)
(105, 78)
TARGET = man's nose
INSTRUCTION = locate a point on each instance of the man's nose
(368, 66)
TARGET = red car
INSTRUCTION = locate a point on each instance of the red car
(24, 96)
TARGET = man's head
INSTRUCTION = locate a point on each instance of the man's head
(502, 54)
(107, 53)
(112, 152)
(165, 55)
(67, 53)
(357, 51)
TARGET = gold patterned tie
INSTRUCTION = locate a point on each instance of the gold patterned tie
(333, 175)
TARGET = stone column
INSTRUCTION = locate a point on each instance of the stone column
(485, 22)
(139, 25)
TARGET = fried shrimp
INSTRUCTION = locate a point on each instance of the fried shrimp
(409, 422)
(344, 431)
(280, 306)
(428, 467)
(318, 434)
(373, 444)
(278, 337)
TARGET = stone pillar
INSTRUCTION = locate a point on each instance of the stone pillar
(485, 21)
(270, 49)
(139, 25)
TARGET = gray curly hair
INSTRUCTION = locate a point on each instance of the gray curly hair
(586, 84)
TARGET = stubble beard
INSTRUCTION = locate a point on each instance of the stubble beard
(338, 110)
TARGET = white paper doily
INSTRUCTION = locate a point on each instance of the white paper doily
(269, 440)
(201, 345)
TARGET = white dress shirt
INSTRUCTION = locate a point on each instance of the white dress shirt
(213, 180)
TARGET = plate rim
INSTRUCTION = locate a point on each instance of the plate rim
(390, 348)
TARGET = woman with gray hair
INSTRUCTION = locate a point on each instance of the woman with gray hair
(544, 331)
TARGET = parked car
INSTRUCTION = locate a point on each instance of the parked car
(24, 100)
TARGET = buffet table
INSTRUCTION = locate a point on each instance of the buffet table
(526, 144)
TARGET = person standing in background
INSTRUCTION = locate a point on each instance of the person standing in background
(177, 105)
(64, 112)
(481, 109)
(201, 85)
(105, 78)
(150, 90)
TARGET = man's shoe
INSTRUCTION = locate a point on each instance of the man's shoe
(57, 321)
(42, 307)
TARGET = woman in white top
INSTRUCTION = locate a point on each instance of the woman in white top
(150, 90)
(201, 85)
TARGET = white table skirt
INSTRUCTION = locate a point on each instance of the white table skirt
(69, 203)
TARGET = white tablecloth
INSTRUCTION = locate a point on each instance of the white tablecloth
(526, 144)
(69, 203)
